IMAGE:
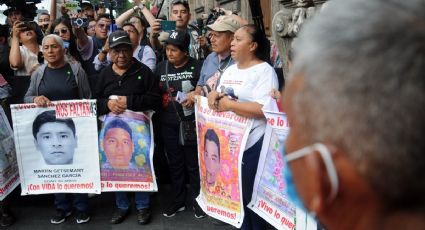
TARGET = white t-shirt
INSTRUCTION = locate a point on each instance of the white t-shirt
(30, 61)
(253, 84)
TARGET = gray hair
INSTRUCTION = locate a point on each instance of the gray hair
(363, 65)
(56, 37)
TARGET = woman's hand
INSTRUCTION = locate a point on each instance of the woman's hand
(17, 28)
(41, 101)
(224, 104)
(213, 96)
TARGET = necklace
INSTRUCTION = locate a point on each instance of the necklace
(221, 70)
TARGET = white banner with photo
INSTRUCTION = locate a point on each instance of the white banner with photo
(126, 152)
(57, 147)
(269, 199)
(9, 173)
(222, 138)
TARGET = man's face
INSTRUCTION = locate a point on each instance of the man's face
(212, 162)
(296, 138)
(181, 15)
(121, 56)
(132, 33)
(118, 147)
(52, 51)
(44, 21)
(102, 28)
(14, 16)
(88, 12)
(220, 41)
(56, 142)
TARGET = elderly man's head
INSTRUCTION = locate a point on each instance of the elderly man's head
(358, 87)
(53, 50)
(221, 35)
(121, 50)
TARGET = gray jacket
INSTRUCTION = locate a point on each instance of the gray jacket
(80, 77)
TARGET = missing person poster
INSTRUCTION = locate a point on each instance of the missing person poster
(269, 199)
(9, 173)
(126, 152)
(221, 142)
(56, 147)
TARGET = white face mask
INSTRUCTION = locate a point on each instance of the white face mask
(329, 165)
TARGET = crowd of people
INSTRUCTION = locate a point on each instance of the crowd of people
(352, 79)
(125, 68)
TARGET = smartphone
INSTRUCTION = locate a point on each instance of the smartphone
(168, 25)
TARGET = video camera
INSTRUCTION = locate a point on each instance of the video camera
(213, 16)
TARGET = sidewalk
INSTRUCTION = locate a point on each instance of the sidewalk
(34, 213)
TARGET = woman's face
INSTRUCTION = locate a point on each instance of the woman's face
(175, 55)
(138, 24)
(242, 45)
(62, 31)
(91, 28)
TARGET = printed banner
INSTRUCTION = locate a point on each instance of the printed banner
(56, 147)
(269, 199)
(9, 173)
(221, 142)
(126, 152)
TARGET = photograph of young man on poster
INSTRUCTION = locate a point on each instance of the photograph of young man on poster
(211, 157)
(54, 138)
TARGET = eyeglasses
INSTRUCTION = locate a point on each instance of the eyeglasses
(134, 22)
(61, 31)
(91, 27)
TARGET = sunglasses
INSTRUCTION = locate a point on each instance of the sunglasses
(103, 26)
(61, 31)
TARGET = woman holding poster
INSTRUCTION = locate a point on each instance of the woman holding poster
(54, 81)
(244, 89)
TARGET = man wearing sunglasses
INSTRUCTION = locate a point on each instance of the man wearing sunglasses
(355, 102)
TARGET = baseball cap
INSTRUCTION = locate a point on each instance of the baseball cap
(85, 4)
(180, 39)
(225, 23)
(119, 37)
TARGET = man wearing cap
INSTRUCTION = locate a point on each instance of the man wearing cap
(181, 75)
(134, 87)
(13, 14)
(221, 35)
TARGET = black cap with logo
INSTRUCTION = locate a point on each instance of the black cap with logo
(119, 37)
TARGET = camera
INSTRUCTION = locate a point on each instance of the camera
(110, 3)
(213, 16)
(79, 22)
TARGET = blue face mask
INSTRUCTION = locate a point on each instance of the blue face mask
(291, 190)
(66, 44)
(330, 168)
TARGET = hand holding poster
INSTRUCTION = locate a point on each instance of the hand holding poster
(9, 173)
(221, 142)
(126, 152)
(57, 147)
(269, 198)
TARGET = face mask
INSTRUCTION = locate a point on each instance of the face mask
(330, 168)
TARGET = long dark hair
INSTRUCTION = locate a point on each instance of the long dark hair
(72, 40)
(263, 44)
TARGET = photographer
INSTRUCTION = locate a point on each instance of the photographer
(24, 59)
(180, 13)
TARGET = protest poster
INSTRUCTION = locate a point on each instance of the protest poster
(9, 173)
(221, 142)
(126, 152)
(269, 199)
(56, 147)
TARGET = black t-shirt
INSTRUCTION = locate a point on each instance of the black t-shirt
(59, 84)
(182, 79)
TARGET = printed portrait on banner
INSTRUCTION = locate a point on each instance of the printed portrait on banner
(56, 147)
(9, 173)
(126, 152)
(221, 141)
